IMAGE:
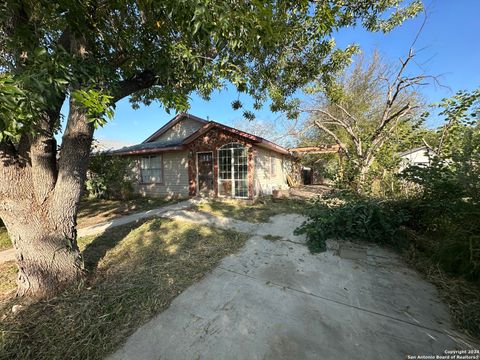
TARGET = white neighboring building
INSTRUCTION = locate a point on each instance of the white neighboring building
(421, 157)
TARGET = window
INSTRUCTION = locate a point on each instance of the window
(233, 170)
(151, 169)
(273, 165)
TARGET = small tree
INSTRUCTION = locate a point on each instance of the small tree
(366, 111)
(455, 171)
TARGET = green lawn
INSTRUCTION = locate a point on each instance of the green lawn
(259, 210)
(134, 272)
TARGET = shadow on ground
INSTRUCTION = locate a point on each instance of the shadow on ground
(134, 272)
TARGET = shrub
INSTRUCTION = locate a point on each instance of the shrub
(445, 232)
(108, 177)
(447, 210)
(353, 217)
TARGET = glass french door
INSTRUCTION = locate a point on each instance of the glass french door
(233, 171)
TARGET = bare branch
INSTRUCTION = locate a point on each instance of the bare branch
(398, 114)
(379, 140)
(337, 121)
(346, 112)
(427, 144)
(335, 137)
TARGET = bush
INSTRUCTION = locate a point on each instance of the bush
(437, 236)
(108, 177)
(353, 217)
(445, 232)
(447, 210)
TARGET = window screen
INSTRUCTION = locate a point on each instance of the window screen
(151, 170)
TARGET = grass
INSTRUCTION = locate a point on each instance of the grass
(462, 296)
(8, 273)
(5, 242)
(94, 211)
(272, 237)
(257, 211)
(134, 272)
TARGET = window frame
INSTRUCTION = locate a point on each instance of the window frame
(161, 168)
(230, 147)
(273, 165)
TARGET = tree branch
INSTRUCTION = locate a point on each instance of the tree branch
(379, 140)
(335, 137)
(336, 121)
(138, 82)
(346, 112)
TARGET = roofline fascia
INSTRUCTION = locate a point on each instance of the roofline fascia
(149, 151)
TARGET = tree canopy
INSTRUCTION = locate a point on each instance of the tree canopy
(101, 51)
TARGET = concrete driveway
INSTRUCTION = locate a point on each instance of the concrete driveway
(275, 300)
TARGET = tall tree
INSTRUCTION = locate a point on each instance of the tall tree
(92, 53)
(367, 107)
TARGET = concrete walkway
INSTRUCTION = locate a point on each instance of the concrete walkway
(101, 227)
(275, 300)
(9, 255)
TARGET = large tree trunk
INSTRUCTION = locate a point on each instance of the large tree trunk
(47, 255)
(39, 203)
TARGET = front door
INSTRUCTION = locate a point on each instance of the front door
(205, 173)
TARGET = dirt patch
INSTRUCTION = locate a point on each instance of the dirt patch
(307, 192)
(257, 211)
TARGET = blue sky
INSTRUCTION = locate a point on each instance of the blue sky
(450, 49)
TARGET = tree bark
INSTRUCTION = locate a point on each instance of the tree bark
(363, 168)
(47, 259)
(47, 255)
(39, 203)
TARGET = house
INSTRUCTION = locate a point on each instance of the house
(421, 156)
(191, 156)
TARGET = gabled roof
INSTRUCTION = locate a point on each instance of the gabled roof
(256, 139)
(149, 146)
(171, 124)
